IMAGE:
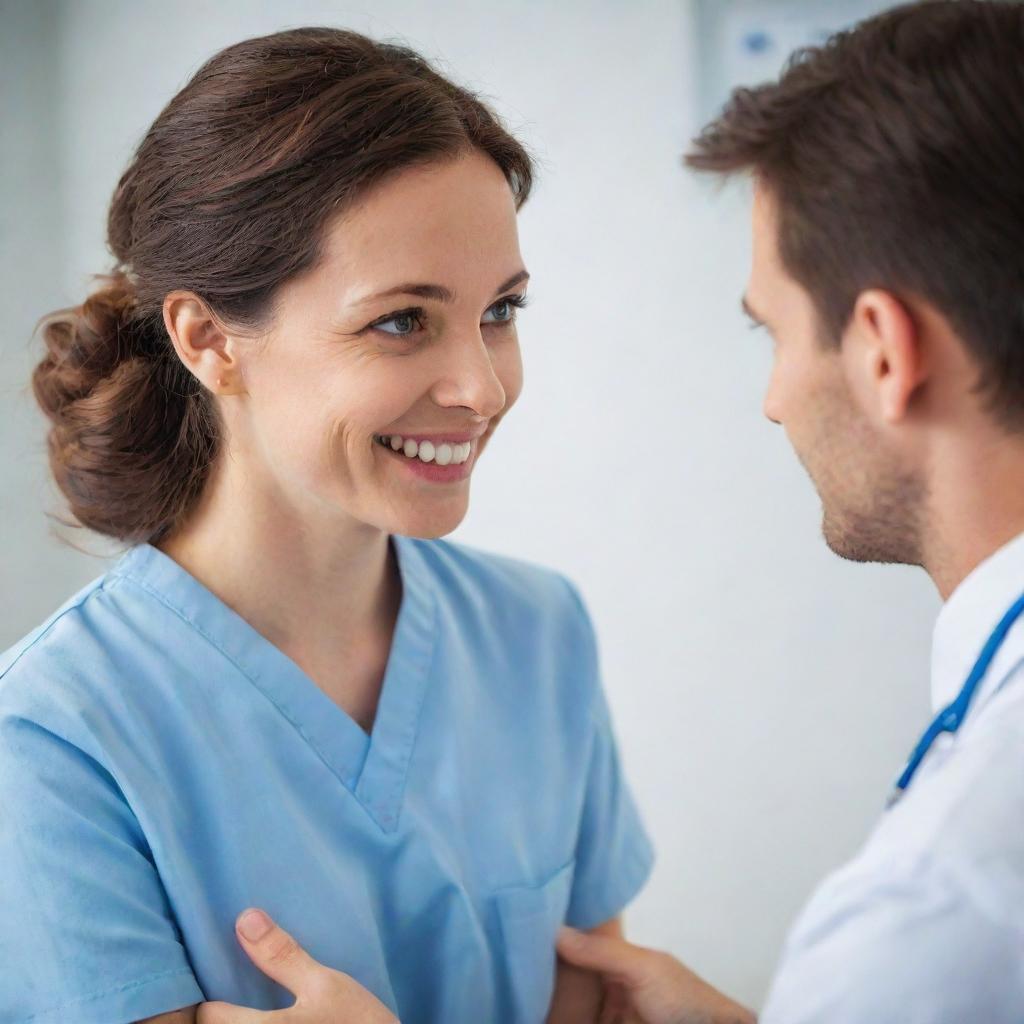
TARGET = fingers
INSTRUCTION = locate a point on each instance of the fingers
(276, 953)
(615, 1007)
(324, 994)
(226, 1013)
(615, 958)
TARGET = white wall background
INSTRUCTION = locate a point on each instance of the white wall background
(765, 692)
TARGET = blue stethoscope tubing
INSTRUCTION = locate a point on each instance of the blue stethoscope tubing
(951, 717)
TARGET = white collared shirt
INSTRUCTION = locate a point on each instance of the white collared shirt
(926, 924)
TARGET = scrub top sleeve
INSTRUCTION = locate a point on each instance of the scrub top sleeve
(614, 855)
(86, 933)
(907, 945)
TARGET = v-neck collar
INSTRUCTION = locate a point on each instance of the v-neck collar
(375, 767)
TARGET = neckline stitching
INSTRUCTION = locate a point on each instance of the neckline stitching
(162, 598)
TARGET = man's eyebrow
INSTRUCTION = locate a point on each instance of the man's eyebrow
(749, 310)
(438, 292)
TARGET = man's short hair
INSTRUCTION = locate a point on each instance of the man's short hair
(895, 156)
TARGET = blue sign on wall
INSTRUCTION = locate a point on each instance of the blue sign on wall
(744, 42)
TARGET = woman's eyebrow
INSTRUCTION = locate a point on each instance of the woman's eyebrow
(424, 291)
(438, 292)
(521, 278)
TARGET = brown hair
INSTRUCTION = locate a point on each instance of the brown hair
(895, 156)
(229, 195)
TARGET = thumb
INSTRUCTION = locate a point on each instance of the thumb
(275, 952)
(617, 959)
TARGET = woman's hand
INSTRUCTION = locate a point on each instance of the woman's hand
(322, 996)
(658, 988)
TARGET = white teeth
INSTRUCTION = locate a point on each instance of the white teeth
(446, 454)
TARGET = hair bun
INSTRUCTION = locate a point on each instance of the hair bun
(118, 401)
(85, 344)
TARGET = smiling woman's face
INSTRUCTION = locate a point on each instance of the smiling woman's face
(405, 330)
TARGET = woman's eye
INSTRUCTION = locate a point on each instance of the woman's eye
(401, 325)
(500, 313)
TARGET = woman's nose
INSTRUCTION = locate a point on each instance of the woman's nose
(468, 377)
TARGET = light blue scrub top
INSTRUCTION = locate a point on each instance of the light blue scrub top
(163, 766)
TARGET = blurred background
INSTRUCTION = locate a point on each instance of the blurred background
(765, 693)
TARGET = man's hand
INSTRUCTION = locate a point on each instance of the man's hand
(322, 996)
(582, 997)
(658, 989)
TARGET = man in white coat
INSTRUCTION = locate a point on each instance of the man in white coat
(888, 268)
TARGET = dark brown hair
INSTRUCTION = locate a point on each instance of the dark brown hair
(229, 195)
(895, 156)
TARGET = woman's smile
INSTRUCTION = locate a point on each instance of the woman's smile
(439, 459)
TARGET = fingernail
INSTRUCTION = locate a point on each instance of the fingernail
(567, 934)
(254, 924)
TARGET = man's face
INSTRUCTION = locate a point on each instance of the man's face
(871, 500)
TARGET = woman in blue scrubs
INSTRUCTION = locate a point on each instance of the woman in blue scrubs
(288, 692)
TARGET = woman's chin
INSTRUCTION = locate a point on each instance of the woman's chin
(427, 524)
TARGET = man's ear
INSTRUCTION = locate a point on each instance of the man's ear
(883, 354)
(202, 343)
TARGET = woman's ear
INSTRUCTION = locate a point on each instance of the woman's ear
(884, 357)
(202, 344)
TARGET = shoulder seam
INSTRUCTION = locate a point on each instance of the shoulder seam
(108, 582)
